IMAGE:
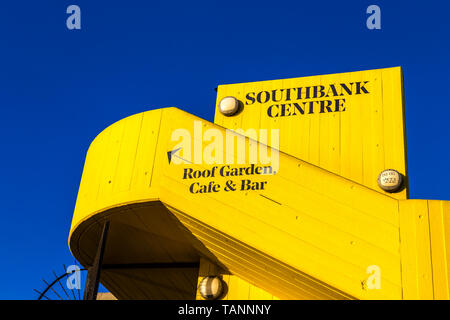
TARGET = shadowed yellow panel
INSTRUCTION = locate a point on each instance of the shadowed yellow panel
(439, 215)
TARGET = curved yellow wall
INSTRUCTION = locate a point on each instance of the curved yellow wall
(309, 234)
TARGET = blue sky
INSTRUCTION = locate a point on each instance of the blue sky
(59, 88)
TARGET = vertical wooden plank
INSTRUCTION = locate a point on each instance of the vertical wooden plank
(367, 132)
(445, 205)
(112, 152)
(128, 151)
(324, 143)
(393, 121)
(439, 223)
(346, 155)
(335, 142)
(417, 277)
(377, 144)
(313, 133)
(251, 117)
(356, 139)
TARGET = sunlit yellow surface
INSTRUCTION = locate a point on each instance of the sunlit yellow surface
(358, 140)
(310, 233)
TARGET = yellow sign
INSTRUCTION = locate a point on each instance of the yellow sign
(351, 124)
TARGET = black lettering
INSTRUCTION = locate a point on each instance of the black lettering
(306, 90)
(323, 106)
(317, 91)
(284, 110)
(267, 170)
(288, 94)
(224, 171)
(346, 88)
(245, 185)
(191, 188)
(188, 173)
(333, 90)
(206, 173)
(251, 98)
(299, 93)
(299, 108)
(311, 107)
(197, 174)
(269, 111)
(250, 170)
(267, 96)
(274, 93)
(338, 105)
(307, 93)
(360, 87)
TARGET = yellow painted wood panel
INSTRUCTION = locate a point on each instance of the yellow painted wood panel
(415, 250)
(301, 244)
(439, 215)
(309, 233)
(358, 141)
(143, 168)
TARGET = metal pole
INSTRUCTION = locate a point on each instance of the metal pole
(93, 276)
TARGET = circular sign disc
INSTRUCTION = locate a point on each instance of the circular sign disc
(210, 287)
(228, 106)
(390, 180)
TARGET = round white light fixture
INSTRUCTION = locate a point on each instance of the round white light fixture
(228, 106)
(210, 287)
(390, 180)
